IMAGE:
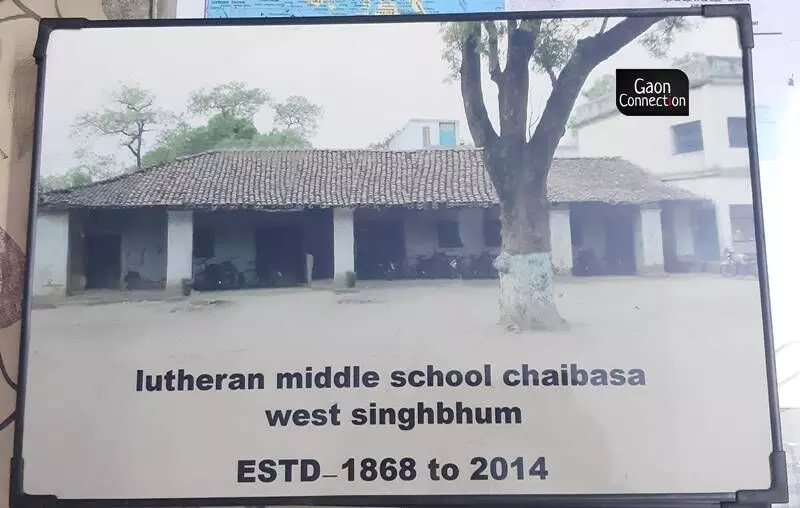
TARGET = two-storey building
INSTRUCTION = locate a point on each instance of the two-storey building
(705, 153)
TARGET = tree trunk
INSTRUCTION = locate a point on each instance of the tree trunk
(525, 264)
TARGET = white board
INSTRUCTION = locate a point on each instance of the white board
(659, 386)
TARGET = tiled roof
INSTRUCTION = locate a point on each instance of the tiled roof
(329, 178)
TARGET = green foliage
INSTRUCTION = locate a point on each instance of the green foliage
(659, 39)
(556, 39)
(275, 139)
(384, 143)
(231, 127)
(72, 178)
(229, 109)
(232, 99)
(91, 169)
(604, 85)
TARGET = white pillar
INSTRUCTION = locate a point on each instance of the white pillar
(180, 232)
(343, 243)
(724, 229)
(649, 241)
(561, 239)
(51, 254)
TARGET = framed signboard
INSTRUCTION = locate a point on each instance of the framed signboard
(355, 261)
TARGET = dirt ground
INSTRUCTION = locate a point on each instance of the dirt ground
(642, 312)
(706, 304)
(694, 334)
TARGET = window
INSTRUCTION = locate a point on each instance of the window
(447, 134)
(737, 132)
(448, 235)
(687, 137)
(743, 226)
(426, 136)
(203, 243)
(491, 233)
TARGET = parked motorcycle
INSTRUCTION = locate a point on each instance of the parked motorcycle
(479, 267)
(222, 275)
(390, 270)
(737, 263)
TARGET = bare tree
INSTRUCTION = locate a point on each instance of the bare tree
(298, 114)
(133, 113)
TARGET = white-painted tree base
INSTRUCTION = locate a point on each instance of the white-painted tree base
(527, 297)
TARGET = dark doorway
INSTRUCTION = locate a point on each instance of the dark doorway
(280, 260)
(705, 237)
(319, 241)
(621, 240)
(103, 261)
(380, 248)
(670, 243)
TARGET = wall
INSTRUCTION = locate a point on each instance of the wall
(654, 148)
(682, 228)
(234, 238)
(235, 235)
(723, 192)
(422, 238)
(143, 247)
(590, 228)
(50, 265)
(142, 242)
(410, 136)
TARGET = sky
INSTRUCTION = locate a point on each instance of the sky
(369, 79)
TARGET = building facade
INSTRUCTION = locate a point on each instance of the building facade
(705, 153)
(422, 133)
(267, 214)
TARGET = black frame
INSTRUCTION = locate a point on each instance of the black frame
(778, 491)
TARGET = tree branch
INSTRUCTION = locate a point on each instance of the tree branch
(513, 93)
(599, 47)
(472, 92)
(493, 51)
(603, 26)
(588, 53)
(24, 8)
(129, 144)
